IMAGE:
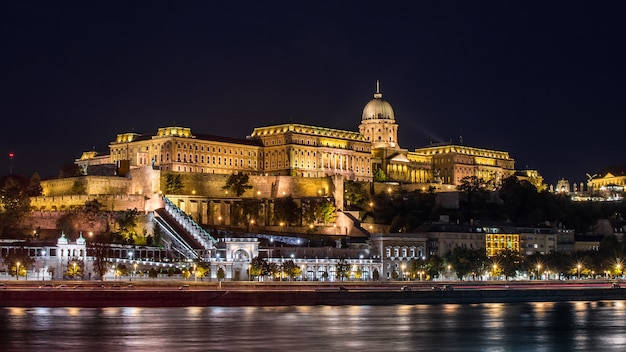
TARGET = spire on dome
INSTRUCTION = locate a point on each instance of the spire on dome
(378, 94)
(80, 239)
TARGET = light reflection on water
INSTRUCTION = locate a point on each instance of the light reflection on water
(569, 326)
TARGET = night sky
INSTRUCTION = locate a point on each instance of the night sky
(545, 81)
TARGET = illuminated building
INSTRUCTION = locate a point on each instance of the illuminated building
(533, 177)
(610, 179)
(452, 162)
(496, 243)
(307, 151)
(397, 250)
(178, 149)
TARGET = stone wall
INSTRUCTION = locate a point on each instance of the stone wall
(145, 180)
(92, 184)
(47, 222)
(210, 185)
(108, 202)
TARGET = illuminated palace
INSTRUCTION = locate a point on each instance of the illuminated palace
(307, 151)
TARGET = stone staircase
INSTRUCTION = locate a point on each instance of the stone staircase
(184, 234)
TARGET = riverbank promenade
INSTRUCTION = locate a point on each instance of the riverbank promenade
(231, 294)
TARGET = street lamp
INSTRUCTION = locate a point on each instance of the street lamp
(403, 274)
(495, 268)
(17, 271)
(578, 266)
(539, 271)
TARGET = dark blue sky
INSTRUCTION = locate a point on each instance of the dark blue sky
(545, 82)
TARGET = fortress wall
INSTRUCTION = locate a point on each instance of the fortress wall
(116, 202)
(44, 221)
(210, 186)
(93, 185)
(145, 180)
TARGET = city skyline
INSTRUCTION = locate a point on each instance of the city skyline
(542, 82)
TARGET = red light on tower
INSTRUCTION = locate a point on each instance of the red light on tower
(11, 163)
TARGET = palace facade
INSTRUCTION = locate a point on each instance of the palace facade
(371, 154)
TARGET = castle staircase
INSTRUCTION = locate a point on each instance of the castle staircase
(184, 234)
(360, 231)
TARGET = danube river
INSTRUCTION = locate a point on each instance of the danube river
(545, 326)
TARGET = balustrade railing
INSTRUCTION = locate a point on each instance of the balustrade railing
(196, 231)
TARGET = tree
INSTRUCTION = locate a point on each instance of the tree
(343, 270)
(34, 186)
(15, 203)
(99, 246)
(202, 269)
(250, 210)
(75, 268)
(122, 270)
(508, 262)
(474, 187)
(272, 269)
(379, 175)
(79, 187)
(325, 275)
(127, 222)
(325, 211)
(354, 193)
(173, 183)
(258, 267)
(17, 261)
(308, 211)
(522, 202)
(186, 273)
(286, 211)
(291, 270)
(375, 275)
(221, 274)
(427, 268)
(466, 260)
(92, 206)
(237, 184)
(153, 273)
(318, 211)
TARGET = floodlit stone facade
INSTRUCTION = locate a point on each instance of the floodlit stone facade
(371, 154)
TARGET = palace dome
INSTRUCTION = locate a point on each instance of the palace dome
(378, 108)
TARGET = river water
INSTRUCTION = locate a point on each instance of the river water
(565, 326)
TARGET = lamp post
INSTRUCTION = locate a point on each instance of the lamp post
(73, 269)
(17, 271)
(403, 276)
(578, 270)
(495, 268)
(538, 271)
